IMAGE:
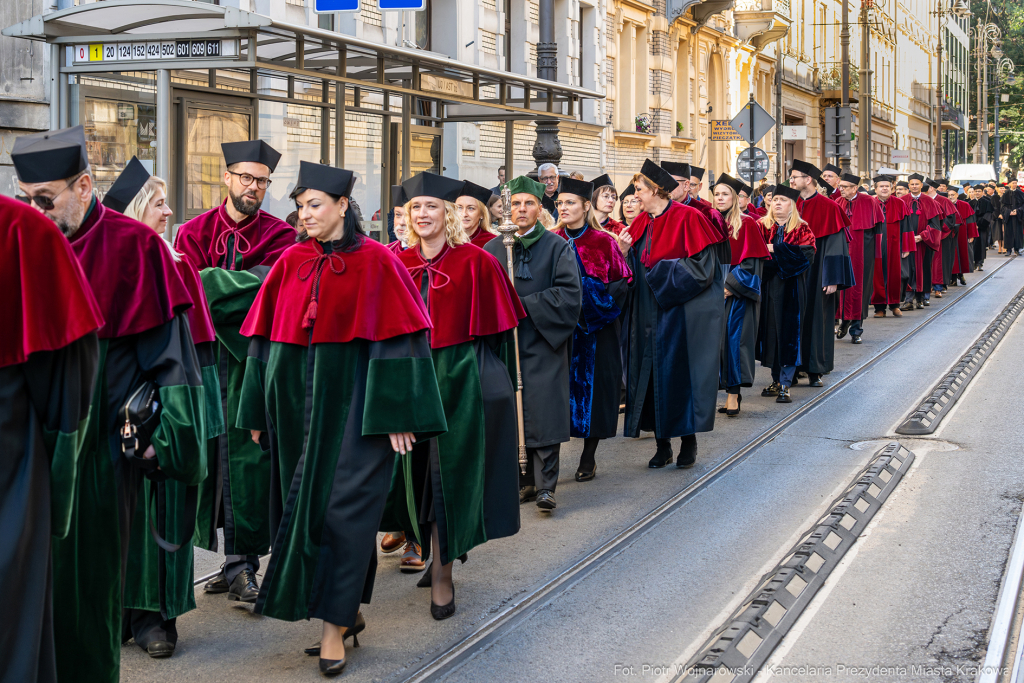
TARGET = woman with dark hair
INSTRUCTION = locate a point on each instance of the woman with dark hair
(603, 202)
(495, 209)
(595, 363)
(338, 379)
(742, 291)
(461, 489)
(791, 244)
(629, 206)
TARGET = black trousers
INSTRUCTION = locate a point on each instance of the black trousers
(541, 468)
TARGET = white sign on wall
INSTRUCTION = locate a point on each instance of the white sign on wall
(794, 132)
(901, 156)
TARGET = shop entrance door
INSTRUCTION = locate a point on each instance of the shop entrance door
(202, 126)
(424, 151)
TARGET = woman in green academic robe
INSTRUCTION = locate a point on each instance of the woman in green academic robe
(339, 378)
(460, 489)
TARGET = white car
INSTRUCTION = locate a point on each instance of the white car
(972, 173)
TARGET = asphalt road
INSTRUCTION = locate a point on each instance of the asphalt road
(654, 604)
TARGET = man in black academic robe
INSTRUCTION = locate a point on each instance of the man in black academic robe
(48, 358)
(1012, 204)
(983, 212)
(548, 282)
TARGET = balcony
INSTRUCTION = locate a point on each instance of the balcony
(759, 22)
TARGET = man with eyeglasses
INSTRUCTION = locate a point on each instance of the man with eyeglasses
(830, 174)
(145, 334)
(831, 271)
(548, 175)
(234, 245)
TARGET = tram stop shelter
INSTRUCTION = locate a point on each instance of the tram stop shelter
(170, 80)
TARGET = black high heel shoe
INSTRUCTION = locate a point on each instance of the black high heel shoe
(332, 667)
(739, 403)
(441, 612)
(353, 632)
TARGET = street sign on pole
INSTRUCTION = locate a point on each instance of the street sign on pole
(329, 6)
(722, 131)
(794, 132)
(838, 131)
(753, 122)
(404, 5)
(752, 164)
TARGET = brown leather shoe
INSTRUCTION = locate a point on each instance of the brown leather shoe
(879, 314)
(392, 541)
(412, 560)
(897, 313)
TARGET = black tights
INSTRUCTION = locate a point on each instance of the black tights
(589, 449)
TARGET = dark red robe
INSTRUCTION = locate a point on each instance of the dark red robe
(962, 258)
(928, 212)
(749, 243)
(199, 321)
(866, 226)
(897, 240)
(613, 226)
(950, 221)
(481, 237)
(257, 241)
(679, 232)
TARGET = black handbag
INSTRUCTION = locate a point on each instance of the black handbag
(141, 418)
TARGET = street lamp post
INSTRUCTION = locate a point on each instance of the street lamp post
(982, 34)
(1004, 67)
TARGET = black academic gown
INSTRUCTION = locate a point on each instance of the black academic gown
(548, 282)
(983, 216)
(1013, 200)
(785, 301)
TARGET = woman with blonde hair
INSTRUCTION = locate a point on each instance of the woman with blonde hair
(595, 364)
(742, 290)
(792, 245)
(460, 489)
(151, 604)
(473, 213)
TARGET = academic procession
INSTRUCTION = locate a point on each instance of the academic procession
(330, 357)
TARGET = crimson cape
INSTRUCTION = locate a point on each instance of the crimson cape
(962, 259)
(756, 212)
(865, 217)
(133, 276)
(888, 265)
(47, 302)
(260, 239)
(395, 247)
(749, 243)
(800, 236)
(601, 256)
(199, 321)
(613, 226)
(369, 293)
(947, 209)
(481, 237)
(927, 209)
(822, 214)
(470, 295)
(679, 232)
(709, 213)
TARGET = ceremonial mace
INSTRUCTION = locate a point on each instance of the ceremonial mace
(508, 229)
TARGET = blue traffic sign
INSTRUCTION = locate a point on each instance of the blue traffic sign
(326, 6)
(407, 5)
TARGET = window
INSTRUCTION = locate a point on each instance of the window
(507, 11)
(325, 21)
(422, 26)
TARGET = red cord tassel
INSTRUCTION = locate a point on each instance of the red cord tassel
(307, 321)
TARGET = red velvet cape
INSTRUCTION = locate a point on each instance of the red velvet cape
(602, 259)
(866, 212)
(711, 214)
(133, 276)
(887, 282)
(749, 243)
(927, 208)
(756, 212)
(679, 232)
(481, 237)
(199, 320)
(947, 209)
(395, 247)
(470, 295)
(962, 262)
(45, 300)
(613, 226)
(801, 236)
(201, 239)
(365, 293)
(822, 214)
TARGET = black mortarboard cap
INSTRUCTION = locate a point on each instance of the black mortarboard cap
(336, 181)
(659, 176)
(602, 180)
(850, 178)
(256, 151)
(882, 179)
(942, 181)
(628, 191)
(427, 184)
(54, 155)
(931, 182)
(832, 167)
(697, 172)
(786, 191)
(481, 194)
(916, 176)
(807, 168)
(903, 183)
(579, 188)
(398, 197)
(735, 183)
(676, 168)
(127, 185)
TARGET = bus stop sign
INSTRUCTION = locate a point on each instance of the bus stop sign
(327, 6)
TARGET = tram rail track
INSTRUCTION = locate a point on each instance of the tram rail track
(506, 618)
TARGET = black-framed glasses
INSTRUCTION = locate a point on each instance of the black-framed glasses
(42, 201)
(246, 179)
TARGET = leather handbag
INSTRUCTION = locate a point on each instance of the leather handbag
(141, 418)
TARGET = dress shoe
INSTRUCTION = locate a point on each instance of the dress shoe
(938, 295)
(546, 500)
(662, 457)
(815, 382)
(440, 612)
(244, 587)
(412, 559)
(783, 396)
(844, 327)
(352, 632)
(527, 493)
(963, 282)
(926, 303)
(392, 541)
(159, 649)
(855, 339)
(331, 667)
(897, 312)
(771, 390)
(879, 314)
(218, 584)
(586, 471)
(687, 452)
